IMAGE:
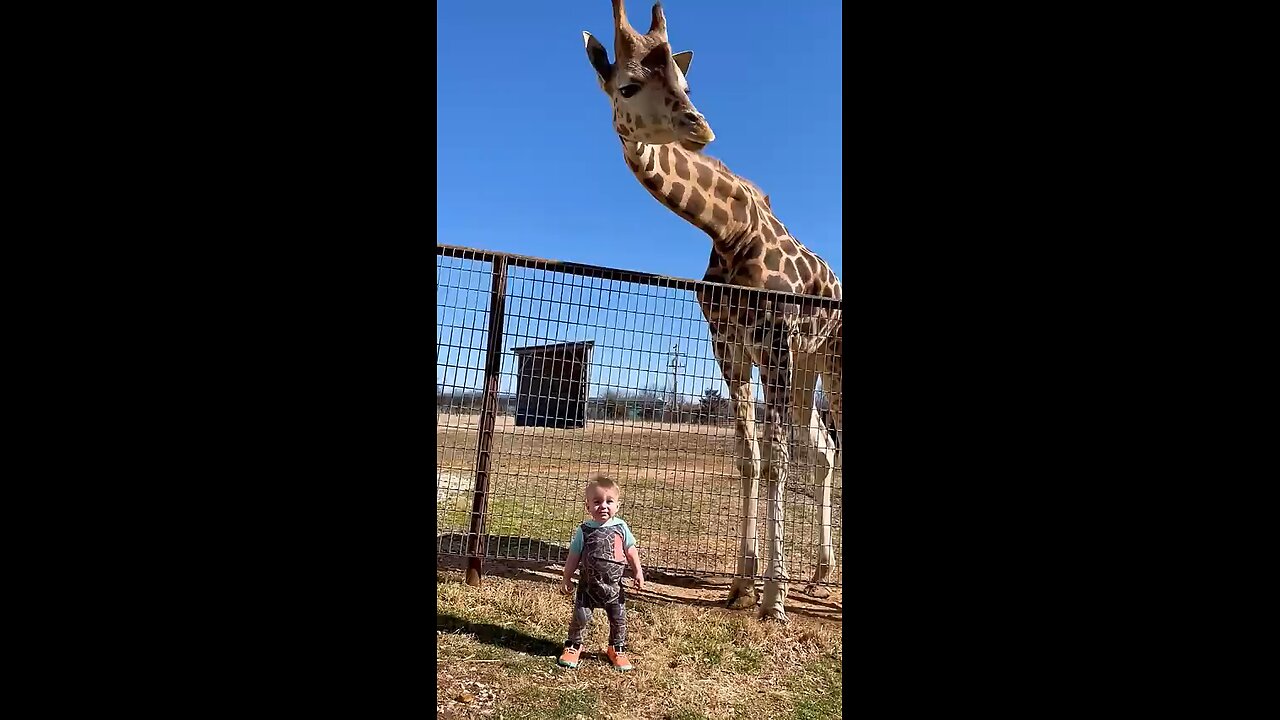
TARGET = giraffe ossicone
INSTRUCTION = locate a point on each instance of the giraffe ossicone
(793, 344)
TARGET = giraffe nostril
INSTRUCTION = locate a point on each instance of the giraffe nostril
(692, 117)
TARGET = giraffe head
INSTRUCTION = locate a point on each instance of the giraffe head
(646, 84)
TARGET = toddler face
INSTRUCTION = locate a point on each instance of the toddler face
(602, 504)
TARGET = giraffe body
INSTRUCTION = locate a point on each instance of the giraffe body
(662, 135)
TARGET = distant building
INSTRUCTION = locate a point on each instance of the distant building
(552, 384)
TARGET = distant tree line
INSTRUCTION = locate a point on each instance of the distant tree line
(651, 404)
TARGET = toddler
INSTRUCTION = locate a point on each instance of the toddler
(601, 544)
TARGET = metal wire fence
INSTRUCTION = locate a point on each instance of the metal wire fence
(548, 372)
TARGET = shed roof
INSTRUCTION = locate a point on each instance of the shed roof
(565, 348)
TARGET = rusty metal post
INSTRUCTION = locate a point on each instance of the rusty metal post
(488, 410)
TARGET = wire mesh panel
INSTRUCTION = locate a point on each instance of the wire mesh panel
(620, 373)
(463, 303)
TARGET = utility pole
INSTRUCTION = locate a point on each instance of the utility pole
(675, 376)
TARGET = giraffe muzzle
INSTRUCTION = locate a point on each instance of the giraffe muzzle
(696, 131)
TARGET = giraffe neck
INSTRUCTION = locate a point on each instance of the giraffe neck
(750, 246)
(701, 190)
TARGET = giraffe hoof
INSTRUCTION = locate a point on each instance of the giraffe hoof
(741, 601)
(778, 616)
(817, 591)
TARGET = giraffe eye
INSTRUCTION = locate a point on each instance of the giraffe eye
(628, 90)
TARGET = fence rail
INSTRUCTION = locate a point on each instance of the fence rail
(548, 372)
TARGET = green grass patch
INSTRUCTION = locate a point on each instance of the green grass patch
(531, 518)
(523, 517)
(541, 702)
(817, 690)
(707, 645)
(747, 660)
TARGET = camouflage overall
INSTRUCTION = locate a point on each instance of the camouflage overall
(601, 563)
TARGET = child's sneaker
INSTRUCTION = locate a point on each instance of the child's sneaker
(569, 658)
(619, 658)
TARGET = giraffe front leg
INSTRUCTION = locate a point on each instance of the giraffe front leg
(737, 374)
(777, 399)
(775, 471)
(742, 593)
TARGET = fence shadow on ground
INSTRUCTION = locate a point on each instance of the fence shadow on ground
(661, 587)
(687, 581)
(504, 547)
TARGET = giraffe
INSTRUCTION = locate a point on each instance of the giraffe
(662, 136)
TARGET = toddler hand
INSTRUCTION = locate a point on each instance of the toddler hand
(638, 581)
(566, 587)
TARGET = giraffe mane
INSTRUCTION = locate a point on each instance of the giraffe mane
(719, 165)
(737, 243)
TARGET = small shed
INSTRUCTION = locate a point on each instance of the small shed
(552, 384)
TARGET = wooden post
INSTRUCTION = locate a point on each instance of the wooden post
(488, 410)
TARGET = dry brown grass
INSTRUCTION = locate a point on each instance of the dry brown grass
(680, 481)
(496, 648)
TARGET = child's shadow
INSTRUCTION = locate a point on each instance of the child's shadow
(508, 638)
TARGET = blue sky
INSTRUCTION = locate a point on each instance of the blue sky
(528, 163)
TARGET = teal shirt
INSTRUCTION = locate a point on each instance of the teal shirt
(628, 540)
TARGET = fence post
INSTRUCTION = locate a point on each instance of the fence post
(488, 410)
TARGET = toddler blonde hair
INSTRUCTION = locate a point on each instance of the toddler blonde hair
(604, 483)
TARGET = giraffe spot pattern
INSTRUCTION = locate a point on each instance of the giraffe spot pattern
(803, 273)
(682, 165)
(776, 281)
(705, 175)
(677, 192)
(773, 259)
(664, 158)
(719, 215)
(696, 202)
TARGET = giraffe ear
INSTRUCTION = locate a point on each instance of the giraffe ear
(598, 56)
(682, 61)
